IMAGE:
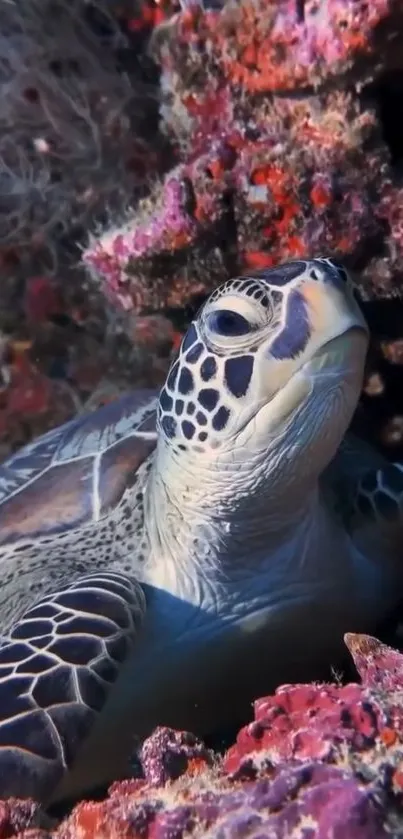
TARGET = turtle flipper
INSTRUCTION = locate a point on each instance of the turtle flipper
(56, 668)
(378, 495)
(362, 495)
(356, 467)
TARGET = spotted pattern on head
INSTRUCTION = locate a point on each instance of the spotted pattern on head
(210, 380)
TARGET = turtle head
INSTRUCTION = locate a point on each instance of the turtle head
(271, 368)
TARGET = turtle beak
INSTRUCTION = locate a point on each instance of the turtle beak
(333, 312)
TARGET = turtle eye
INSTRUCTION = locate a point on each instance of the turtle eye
(226, 322)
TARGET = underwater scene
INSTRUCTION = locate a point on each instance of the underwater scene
(201, 419)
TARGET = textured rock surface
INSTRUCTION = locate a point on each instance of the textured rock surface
(318, 762)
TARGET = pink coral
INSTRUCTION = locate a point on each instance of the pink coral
(167, 754)
(329, 722)
(262, 178)
(281, 46)
(168, 228)
(319, 761)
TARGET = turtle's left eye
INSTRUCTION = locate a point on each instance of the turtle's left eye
(228, 323)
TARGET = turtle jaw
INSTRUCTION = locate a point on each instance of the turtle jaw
(337, 365)
(350, 345)
(339, 362)
(293, 437)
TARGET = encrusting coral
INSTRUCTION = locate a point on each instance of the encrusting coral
(276, 116)
(318, 761)
(277, 154)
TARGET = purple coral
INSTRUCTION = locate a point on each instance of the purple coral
(320, 761)
(316, 801)
(167, 754)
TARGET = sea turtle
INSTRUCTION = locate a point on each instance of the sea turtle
(167, 559)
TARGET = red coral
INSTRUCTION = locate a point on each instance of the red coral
(148, 14)
(261, 179)
(42, 299)
(271, 46)
(29, 391)
(302, 722)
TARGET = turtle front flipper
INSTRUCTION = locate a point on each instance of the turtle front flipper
(357, 468)
(56, 668)
(366, 492)
(378, 497)
(374, 497)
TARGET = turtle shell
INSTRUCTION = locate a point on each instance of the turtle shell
(77, 472)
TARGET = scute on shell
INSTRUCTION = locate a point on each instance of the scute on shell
(76, 472)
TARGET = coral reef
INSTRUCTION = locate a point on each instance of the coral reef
(318, 761)
(261, 178)
(268, 144)
(275, 113)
